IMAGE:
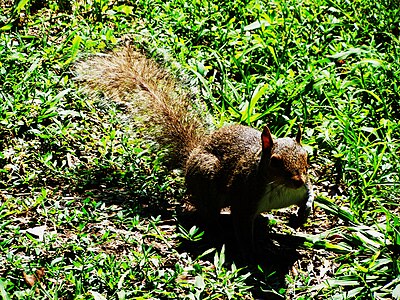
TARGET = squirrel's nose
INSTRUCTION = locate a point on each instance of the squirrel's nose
(297, 181)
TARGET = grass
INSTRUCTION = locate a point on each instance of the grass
(86, 199)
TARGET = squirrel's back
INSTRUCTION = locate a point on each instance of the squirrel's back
(237, 140)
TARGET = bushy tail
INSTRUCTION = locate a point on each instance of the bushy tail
(129, 76)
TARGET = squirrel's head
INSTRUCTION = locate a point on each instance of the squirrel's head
(286, 159)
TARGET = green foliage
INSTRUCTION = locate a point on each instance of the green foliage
(80, 168)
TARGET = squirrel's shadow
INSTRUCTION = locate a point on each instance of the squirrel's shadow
(275, 255)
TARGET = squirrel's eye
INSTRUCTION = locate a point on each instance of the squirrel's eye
(276, 162)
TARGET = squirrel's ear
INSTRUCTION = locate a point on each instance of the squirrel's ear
(266, 140)
(298, 136)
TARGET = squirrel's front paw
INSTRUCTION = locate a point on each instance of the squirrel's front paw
(295, 221)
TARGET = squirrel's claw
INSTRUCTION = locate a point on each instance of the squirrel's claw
(304, 210)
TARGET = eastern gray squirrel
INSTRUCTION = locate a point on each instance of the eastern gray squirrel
(235, 166)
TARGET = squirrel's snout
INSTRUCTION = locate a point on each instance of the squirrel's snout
(297, 181)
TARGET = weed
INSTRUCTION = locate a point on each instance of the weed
(86, 197)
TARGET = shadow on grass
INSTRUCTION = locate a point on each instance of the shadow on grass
(276, 253)
(141, 191)
(274, 257)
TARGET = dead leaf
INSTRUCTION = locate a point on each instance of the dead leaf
(39, 273)
(98, 296)
(29, 279)
(33, 278)
(37, 232)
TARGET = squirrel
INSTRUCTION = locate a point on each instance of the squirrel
(235, 166)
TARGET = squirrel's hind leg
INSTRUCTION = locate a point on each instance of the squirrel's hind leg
(243, 224)
(202, 170)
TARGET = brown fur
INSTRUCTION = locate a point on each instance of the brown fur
(234, 166)
(129, 76)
